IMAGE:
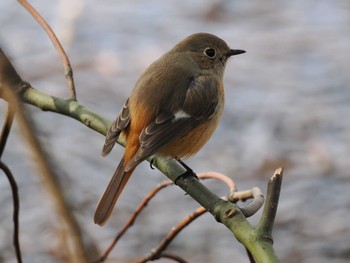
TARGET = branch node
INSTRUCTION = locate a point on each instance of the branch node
(230, 213)
(267, 238)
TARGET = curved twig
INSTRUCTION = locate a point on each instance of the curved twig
(255, 205)
(68, 71)
(15, 197)
(221, 177)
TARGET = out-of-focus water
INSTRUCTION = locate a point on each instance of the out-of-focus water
(287, 104)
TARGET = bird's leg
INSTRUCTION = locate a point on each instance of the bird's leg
(189, 172)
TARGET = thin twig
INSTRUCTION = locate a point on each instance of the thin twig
(6, 128)
(221, 177)
(68, 71)
(173, 257)
(134, 216)
(15, 197)
(155, 253)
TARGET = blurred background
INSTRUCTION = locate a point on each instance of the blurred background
(287, 104)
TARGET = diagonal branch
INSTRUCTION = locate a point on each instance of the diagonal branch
(157, 252)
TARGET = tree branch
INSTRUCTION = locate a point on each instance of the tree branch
(270, 209)
(68, 107)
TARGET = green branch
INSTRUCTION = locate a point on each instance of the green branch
(68, 107)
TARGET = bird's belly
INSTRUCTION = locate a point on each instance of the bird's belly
(192, 142)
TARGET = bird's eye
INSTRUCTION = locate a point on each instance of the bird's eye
(210, 52)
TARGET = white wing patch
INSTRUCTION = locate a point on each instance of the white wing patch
(180, 114)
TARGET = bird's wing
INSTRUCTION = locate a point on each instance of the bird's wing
(199, 105)
(116, 128)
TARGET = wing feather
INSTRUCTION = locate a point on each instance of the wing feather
(200, 104)
(116, 128)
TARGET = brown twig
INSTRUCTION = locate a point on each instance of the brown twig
(156, 252)
(221, 177)
(68, 71)
(6, 128)
(134, 216)
(173, 257)
(15, 197)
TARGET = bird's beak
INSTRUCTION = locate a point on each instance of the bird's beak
(234, 52)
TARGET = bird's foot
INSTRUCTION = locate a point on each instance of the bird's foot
(151, 163)
(189, 172)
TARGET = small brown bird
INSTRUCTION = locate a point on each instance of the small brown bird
(173, 110)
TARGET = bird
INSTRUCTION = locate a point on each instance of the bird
(172, 111)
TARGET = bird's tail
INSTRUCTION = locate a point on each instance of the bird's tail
(111, 194)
